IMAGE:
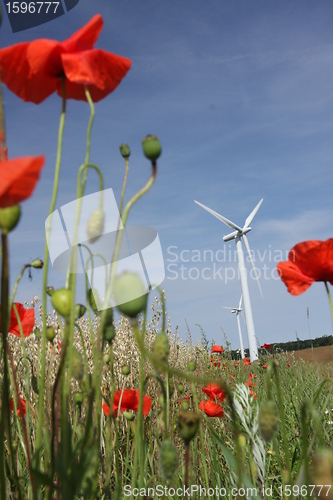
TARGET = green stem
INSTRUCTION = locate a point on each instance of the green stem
(4, 421)
(16, 284)
(123, 190)
(46, 262)
(329, 299)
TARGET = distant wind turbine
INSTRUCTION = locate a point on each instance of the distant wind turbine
(237, 235)
(238, 311)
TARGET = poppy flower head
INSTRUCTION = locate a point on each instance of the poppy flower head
(216, 362)
(246, 361)
(214, 391)
(34, 70)
(267, 346)
(27, 319)
(308, 262)
(128, 400)
(217, 349)
(211, 409)
(264, 366)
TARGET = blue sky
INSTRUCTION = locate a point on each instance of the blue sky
(240, 95)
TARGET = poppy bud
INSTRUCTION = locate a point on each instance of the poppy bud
(37, 264)
(128, 415)
(125, 150)
(242, 440)
(50, 291)
(78, 368)
(93, 300)
(95, 225)
(191, 365)
(106, 358)
(79, 311)
(188, 423)
(268, 419)
(50, 333)
(185, 404)
(181, 388)
(168, 459)
(9, 218)
(161, 347)
(322, 472)
(78, 398)
(125, 370)
(61, 301)
(151, 147)
(129, 285)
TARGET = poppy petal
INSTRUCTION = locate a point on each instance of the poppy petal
(147, 404)
(17, 75)
(18, 179)
(295, 281)
(86, 37)
(44, 57)
(27, 318)
(106, 409)
(100, 71)
(315, 259)
(212, 409)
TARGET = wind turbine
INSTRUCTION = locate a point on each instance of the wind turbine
(237, 235)
(238, 311)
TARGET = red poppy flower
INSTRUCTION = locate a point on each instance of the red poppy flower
(253, 394)
(264, 366)
(217, 348)
(288, 365)
(33, 70)
(184, 398)
(308, 262)
(214, 391)
(236, 364)
(211, 409)
(23, 407)
(249, 383)
(18, 179)
(267, 346)
(27, 318)
(129, 401)
(246, 361)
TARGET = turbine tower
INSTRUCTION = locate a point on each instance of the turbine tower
(238, 311)
(237, 235)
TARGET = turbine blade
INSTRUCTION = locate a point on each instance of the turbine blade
(243, 318)
(246, 241)
(252, 214)
(240, 302)
(230, 308)
(220, 217)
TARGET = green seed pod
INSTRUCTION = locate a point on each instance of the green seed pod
(37, 333)
(151, 147)
(168, 459)
(79, 311)
(126, 286)
(94, 300)
(78, 398)
(188, 424)
(161, 347)
(185, 404)
(37, 264)
(322, 472)
(95, 225)
(9, 218)
(50, 291)
(78, 367)
(161, 400)
(61, 301)
(268, 419)
(124, 150)
(50, 333)
(106, 358)
(180, 388)
(191, 365)
(125, 370)
(242, 440)
(129, 416)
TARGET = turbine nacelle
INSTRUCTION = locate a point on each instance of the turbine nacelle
(234, 234)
